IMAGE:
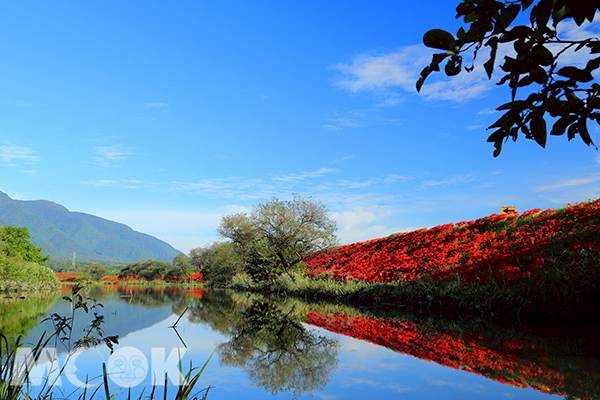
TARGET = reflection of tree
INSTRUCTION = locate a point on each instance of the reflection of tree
(278, 352)
(19, 316)
(218, 310)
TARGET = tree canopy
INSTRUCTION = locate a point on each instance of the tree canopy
(556, 88)
(15, 242)
(276, 236)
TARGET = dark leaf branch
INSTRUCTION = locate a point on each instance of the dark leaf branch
(562, 96)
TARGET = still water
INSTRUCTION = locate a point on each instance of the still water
(286, 349)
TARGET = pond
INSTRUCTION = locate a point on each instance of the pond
(285, 348)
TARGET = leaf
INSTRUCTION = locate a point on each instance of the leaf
(542, 55)
(560, 126)
(541, 13)
(506, 17)
(489, 64)
(515, 33)
(453, 65)
(424, 74)
(438, 39)
(517, 104)
(576, 74)
(583, 131)
(538, 128)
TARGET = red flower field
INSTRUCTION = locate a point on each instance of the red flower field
(504, 248)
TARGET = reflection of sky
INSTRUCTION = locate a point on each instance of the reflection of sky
(364, 370)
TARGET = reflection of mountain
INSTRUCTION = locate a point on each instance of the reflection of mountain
(122, 317)
(547, 365)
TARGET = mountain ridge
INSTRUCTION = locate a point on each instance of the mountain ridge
(60, 232)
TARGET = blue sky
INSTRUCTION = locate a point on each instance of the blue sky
(166, 116)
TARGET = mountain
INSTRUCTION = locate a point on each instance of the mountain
(61, 232)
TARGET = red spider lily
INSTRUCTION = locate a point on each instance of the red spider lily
(505, 248)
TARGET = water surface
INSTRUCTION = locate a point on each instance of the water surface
(290, 349)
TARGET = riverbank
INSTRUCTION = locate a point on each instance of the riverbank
(539, 266)
(73, 278)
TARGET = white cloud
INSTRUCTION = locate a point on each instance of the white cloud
(487, 111)
(400, 70)
(359, 119)
(362, 223)
(12, 155)
(304, 175)
(383, 71)
(568, 30)
(107, 155)
(121, 183)
(451, 181)
(156, 104)
(568, 183)
(344, 158)
(475, 127)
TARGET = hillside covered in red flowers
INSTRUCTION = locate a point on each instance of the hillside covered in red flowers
(502, 248)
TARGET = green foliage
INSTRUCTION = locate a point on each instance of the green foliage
(566, 93)
(15, 242)
(219, 263)
(19, 275)
(94, 271)
(276, 236)
(148, 270)
(20, 267)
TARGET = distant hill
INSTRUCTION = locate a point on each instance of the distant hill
(61, 232)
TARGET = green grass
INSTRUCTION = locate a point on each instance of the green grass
(554, 295)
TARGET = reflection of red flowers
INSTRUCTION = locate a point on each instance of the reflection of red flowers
(511, 361)
(505, 248)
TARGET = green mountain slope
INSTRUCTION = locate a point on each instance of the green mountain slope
(61, 232)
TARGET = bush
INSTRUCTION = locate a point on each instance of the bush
(218, 263)
(19, 275)
(148, 270)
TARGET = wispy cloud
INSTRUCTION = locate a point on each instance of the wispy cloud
(23, 103)
(107, 155)
(569, 30)
(568, 183)
(450, 181)
(304, 175)
(121, 183)
(13, 155)
(362, 223)
(156, 104)
(475, 127)
(487, 111)
(343, 159)
(359, 119)
(399, 70)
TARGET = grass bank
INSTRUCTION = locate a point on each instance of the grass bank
(540, 266)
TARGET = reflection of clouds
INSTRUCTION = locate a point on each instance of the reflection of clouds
(392, 387)
(461, 386)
